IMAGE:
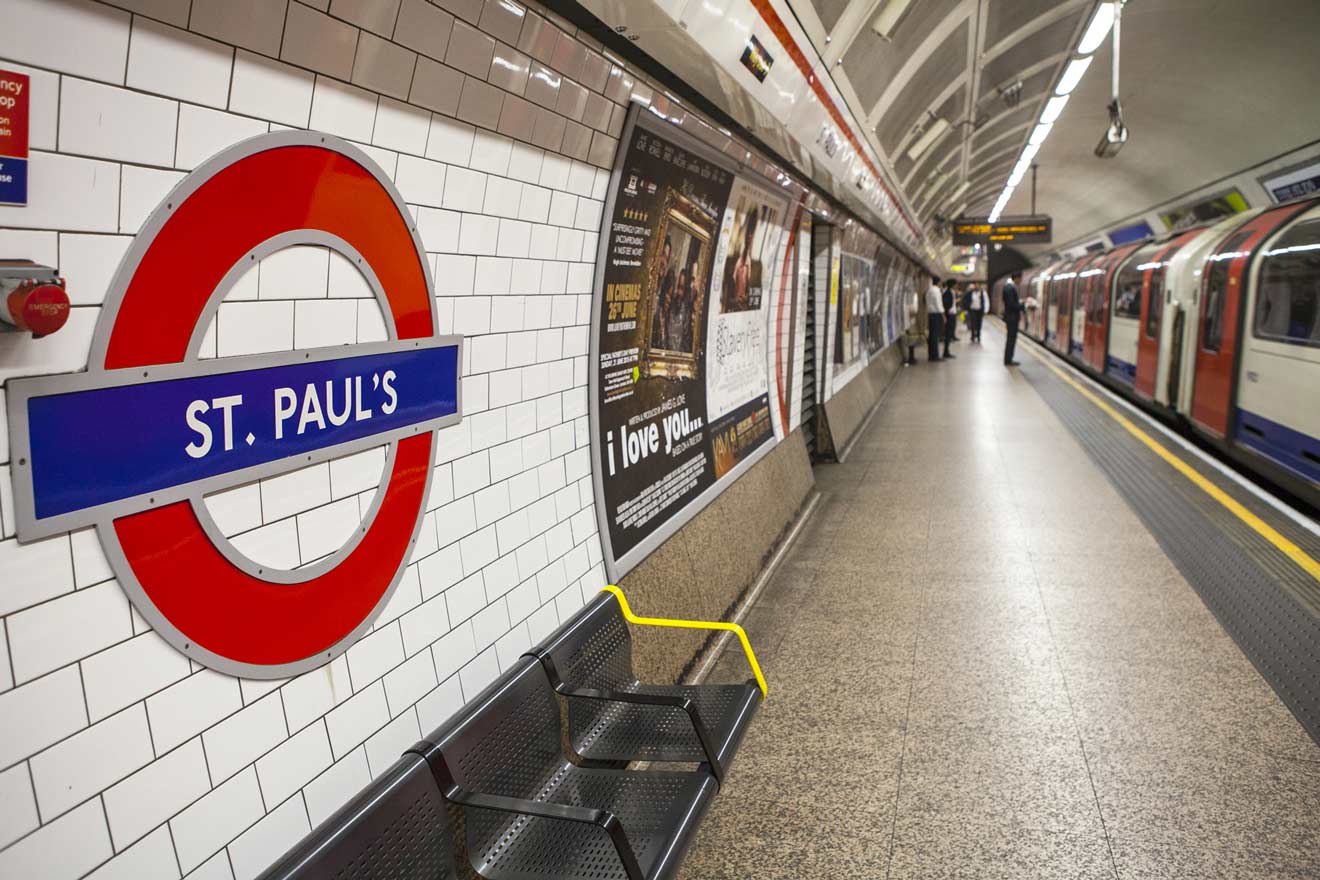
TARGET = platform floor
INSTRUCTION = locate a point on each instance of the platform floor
(969, 679)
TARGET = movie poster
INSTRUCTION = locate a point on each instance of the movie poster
(659, 443)
(737, 392)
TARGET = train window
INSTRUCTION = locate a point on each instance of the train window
(1127, 296)
(1288, 298)
(1216, 292)
(1155, 296)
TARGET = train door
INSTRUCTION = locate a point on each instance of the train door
(1102, 296)
(1153, 300)
(1063, 294)
(1128, 313)
(1178, 324)
(1049, 309)
(1217, 338)
(1039, 291)
(1077, 317)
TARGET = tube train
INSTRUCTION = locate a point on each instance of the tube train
(1216, 328)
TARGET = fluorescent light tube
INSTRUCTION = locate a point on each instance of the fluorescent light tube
(887, 21)
(932, 135)
(1039, 133)
(1053, 109)
(1072, 75)
(1097, 30)
(1029, 152)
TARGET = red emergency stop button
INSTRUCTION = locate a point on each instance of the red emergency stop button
(40, 308)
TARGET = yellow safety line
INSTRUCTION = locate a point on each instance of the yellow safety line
(693, 624)
(1264, 529)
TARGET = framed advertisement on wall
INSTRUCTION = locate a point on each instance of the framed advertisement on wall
(678, 385)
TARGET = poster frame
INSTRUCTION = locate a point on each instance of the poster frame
(617, 567)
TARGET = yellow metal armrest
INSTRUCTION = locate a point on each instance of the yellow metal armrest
(693, 624)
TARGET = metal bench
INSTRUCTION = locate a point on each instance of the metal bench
(395, 829)
(506, 792)
(614, 718)
(529, 812)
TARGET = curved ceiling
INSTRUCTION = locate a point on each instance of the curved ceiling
(1209, 88)
(984, 67)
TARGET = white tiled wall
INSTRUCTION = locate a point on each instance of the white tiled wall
(118, 756)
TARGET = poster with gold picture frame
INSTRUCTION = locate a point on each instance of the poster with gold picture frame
(676, 292)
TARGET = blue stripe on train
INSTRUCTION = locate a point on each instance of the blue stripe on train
(1121, 369)
(1298, 452)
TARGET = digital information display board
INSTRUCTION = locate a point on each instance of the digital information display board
(1038, 229)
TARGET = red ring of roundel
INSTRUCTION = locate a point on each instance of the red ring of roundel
(202, 594)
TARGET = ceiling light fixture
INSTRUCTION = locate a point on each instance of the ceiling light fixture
(1053, 109)
(891, 15)
(934, 132)
(1072, 75)
(1098, 29)
(1039, 133)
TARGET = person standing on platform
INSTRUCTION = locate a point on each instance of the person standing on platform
(949, 300)
(934, 320)
(976, 303)
(1012, 316)
(915, 331)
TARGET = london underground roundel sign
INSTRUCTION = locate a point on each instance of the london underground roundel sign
(134, 444)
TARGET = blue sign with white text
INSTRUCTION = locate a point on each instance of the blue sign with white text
(13, 181)
(102, 445)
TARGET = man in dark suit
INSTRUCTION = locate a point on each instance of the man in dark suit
(950, 300)
(1012, 315)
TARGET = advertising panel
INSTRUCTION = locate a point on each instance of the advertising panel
(678, 383)
(855, 290)
(786, 354)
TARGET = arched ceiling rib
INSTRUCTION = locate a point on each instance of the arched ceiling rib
(1210, 87)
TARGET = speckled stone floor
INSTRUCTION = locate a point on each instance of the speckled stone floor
(969, 680)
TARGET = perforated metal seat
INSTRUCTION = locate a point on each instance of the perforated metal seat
(395, 829)
(612, 717)
(531, 813)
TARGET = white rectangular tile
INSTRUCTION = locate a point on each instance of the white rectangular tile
(174, 62)
(37, 715)
(356, 719)
(267, 89)
(112, 123)
(260, 846)
(61, 850)
(336, 786)
(294, 763)
(124, 674)
(90, 761)
(244, 736)
(75, 36)
(155, 793)
(47, 636)
(18, 805)
(205, 827)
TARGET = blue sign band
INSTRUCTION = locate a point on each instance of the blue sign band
(13, 181)
(98, 446)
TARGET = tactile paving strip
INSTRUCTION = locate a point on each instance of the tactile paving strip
(1265, 601)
